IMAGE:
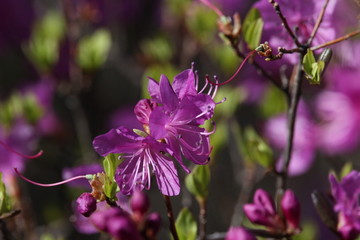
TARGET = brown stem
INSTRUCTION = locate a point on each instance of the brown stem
(171, 218)
(294, 102)
(248, 179)
(337, 40)
(317, 24)
(284, 22)
(202, 219)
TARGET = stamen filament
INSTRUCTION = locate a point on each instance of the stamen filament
(10, 149)
(234, 75)
(50, 184)
(213, 7)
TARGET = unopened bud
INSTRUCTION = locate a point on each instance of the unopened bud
(290, 207)
(122, 227)
(143, 109)
(236, 233)
(139, 202)
(86, 204)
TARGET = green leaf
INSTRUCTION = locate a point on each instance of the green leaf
(93, 49)
(186, 225)
(252, 28)
(43, 47)
(198, 180)
(110, 162)
(308, 61)
(157, 49)
(5, 205)
(258, 150)
(312, 68)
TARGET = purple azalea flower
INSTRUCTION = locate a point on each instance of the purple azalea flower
(139, 154)
(338, 110)
(346, 195)
(178, 118)
(304, 140)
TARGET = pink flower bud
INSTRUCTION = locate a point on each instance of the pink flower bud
(86, 204)
(237, 233)
(290, 207)
(122, 227)
(139, 202)
(262, 211)
(143, 110)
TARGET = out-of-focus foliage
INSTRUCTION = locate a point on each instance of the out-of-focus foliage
(93, 50)
(186, 225)
(197, 182)
(252, 28)
(43, 47)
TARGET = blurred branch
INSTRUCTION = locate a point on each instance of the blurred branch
(337, 40)
(318, 22)
(284, 22)
(171, 218)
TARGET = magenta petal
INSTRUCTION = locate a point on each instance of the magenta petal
(157, 123)
(263, 198)
(166, 176)
(168, 97)
(154, 90)
(184, 83)
(119, 140)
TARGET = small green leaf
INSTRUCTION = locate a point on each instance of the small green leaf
(110, 162)
(252, 28)
(308, 60)
(258, 150)
(43, 47)
(5, 205)
(186, 225)
(273, 102)
(198, 180)
(93, 49)
(309, 232)
(158, 49)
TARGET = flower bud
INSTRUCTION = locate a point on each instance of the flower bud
(86, 204)
(122, 227)
(152, 225)
(139, 202)
(100, 218)
(290, 207)
(236, 233)
(143, 109)
(263, 199)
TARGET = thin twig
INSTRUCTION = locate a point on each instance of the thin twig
(171, 218)
(202, 219)
(337, 40)
(318, 23)
(284, 22)
(294, 102)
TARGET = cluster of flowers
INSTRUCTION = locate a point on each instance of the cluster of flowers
(171, 121)
(128, 222)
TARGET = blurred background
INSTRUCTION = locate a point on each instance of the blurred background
(72, 70)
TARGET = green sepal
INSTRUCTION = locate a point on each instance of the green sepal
(140, 133)
(346, 169)
(198, 180)
(93, 50)
(186, 225)
(252, 28)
